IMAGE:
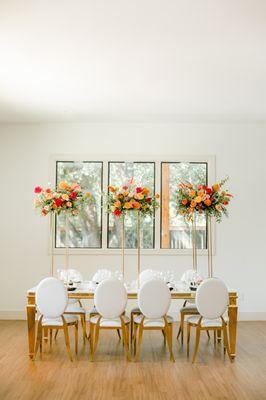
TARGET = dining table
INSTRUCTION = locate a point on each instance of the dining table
(83, 292)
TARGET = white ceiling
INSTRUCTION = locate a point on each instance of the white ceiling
(74, 60)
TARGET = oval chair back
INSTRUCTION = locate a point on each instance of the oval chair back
(154, 299)
(212, 298)
(146, 275)
(110, 298)
(51, 297)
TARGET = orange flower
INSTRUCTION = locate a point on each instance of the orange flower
(207, 202)
(128, 205)
(136, 205)
(157, 196)
(63, 185)
(215, 187)
(198, 199)
(192, 193)
(193, 203)
(111, 188)
(218, 207)
(125, 194)
(139, 196)
(184, 202)
(191, 210)
(145, 190)
(117, 204)
(201, 193)
(69, 204)
(87, 194)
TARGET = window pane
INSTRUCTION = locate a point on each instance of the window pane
(85, 230)
(175, 232)
(143, 174)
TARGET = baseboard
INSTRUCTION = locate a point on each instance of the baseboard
(252, 316)
(242, 316)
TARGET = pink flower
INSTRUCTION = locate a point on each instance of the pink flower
(37, 189)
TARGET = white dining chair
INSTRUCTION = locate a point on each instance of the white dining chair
(212, 301)
(51, 301)
(154, 301)
(145, 275)
(100, 275)
(189, 307)
(110, 300)
(74, 306)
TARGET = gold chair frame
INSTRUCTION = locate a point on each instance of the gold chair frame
(167, 332)
(200, 328)
(184, 313)
(94, 336)
(82, 320)
(65, 326)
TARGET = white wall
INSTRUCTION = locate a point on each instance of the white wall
(24, 163)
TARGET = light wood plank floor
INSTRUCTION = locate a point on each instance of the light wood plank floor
(154, 377)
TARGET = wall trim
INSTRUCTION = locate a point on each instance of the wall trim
(242, 316)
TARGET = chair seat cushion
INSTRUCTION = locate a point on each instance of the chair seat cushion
(75, 309)
(205, 322)
(58, 321)
(111, 323)
(189, 308)
(153, 323)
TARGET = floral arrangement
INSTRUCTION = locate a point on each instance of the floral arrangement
(212, 201)
(66, 198)
(130, 197)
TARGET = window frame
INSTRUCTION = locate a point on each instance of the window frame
(154, 185)
(161, 218)
(101, 205)
(158, 160)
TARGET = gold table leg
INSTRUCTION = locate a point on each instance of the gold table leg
(31, 310)
(219, 335)
(232, 314)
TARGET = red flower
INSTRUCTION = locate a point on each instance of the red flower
(73, 195)
(226, 202)
(139, 189)
(38, 189)
(148, 199)
(44, 212)
(125, 187)
(117, 213)
(58, 202)
(48, 190)
(208, 190)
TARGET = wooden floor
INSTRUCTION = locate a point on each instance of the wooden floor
(112, 377)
